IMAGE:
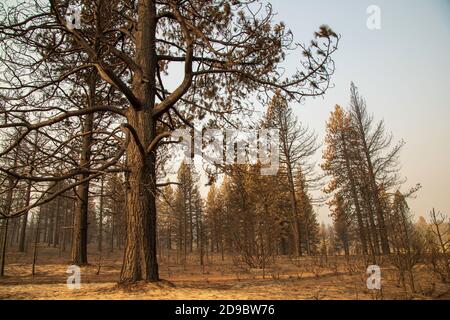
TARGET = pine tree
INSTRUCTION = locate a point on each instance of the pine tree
(297, 145)
(340, 163)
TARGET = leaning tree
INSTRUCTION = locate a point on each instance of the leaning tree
(224, 53)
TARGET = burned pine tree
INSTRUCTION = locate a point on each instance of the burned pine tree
(131, 47)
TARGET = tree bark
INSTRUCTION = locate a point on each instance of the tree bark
(57, 227)
(4, 242)
(373, 185)
(36, 241)
(294, 207)
(24, 220)
(80, 231)
(140, 260)
(354, 193)
(27, 199)
(100, 222)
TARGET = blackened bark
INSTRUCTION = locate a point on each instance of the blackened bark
(80, 228)
(361, 228)
(140, 259)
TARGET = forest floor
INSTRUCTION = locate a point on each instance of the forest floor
(286, 280)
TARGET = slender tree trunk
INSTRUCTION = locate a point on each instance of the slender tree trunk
(293, 199)
(373, 185)
(27, 199)
(80, 227)
(346, 247)
(190, 211)
(375, 244)
(379, 209)
(113, 215)
(64, 229)
(36, 242)
(13, 233)
(80, 231)
(100, 222)
(437, 225)
(294, 211)
(185, 228)
(47, 209)
(51, 223)
(25, 219)
(361, 229)
(9, 201)
(4, 242)
(57, 226)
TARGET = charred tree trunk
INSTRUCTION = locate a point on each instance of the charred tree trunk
(349, 169)
(372, 183)
(36, 242)
(80, 228)
(27, 199)
(80, 231)
(100, 219)
(9, 198)
(4, 242)
(8, 203)
(140, 259)
(51, 223)
(294, 210)
(64, 228)
(24, 220)
(57, 227)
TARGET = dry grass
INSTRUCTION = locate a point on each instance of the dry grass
(290, 280)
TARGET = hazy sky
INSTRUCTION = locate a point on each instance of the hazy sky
(403, 71)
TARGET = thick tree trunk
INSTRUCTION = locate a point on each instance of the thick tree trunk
(140, 259)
